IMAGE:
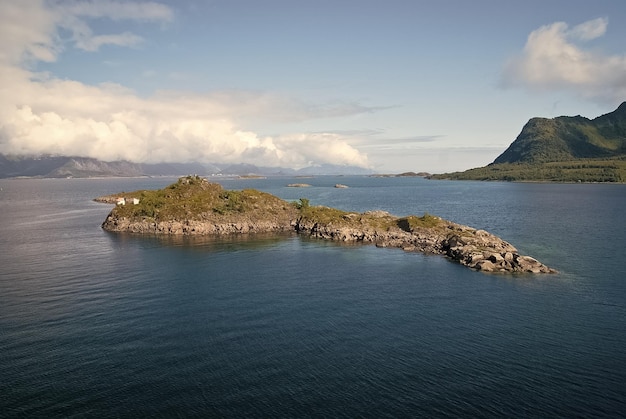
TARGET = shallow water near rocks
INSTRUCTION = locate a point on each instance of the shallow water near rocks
(102, 324)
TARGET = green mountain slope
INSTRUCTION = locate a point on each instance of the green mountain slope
(565, 138)
(566, 148)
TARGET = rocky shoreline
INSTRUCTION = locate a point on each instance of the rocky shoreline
(476, 249)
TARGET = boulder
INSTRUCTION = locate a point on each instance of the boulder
(485, 266)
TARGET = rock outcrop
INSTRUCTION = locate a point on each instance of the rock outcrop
(194, 206)
(476, 249)
(149, 225)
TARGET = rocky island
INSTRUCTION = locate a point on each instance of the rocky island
(195, 206)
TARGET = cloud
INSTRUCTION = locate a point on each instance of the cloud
(42, 114)
(28, 31)
(247, 104)
(30, 28)
(554, 59)
(73, 15)
(337, 109)
(401, 143)
(118, 10)
(110, 122)
(93, 43)
(589, 30)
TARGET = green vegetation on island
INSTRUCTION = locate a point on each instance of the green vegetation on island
(609, 170)
(195, 198)
(563, 149)
(373, 220)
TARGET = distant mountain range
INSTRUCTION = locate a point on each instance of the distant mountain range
(566, 148)
(67, 167)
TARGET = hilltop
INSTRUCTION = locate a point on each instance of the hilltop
(194, 206)
(566, 148)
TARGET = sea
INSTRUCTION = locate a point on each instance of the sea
(99, 324)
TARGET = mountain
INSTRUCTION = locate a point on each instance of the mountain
(13, 166)
(566, 148)
(565, 138)
(85, 167)
(64, 166)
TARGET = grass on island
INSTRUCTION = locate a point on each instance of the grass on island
(194, 198)
(376, 220)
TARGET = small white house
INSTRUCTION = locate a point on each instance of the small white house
(122, 201)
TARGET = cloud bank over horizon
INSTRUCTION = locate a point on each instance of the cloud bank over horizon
(42, 114)
(554, 58)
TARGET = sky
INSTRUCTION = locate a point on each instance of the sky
(392, 86)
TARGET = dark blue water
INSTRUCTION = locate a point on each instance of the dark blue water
(99, 324)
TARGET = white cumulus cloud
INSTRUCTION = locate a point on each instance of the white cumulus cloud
(43, 114)
(27, 31)
(555, 58)
(93, 43)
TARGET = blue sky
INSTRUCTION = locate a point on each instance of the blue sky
(390, 85)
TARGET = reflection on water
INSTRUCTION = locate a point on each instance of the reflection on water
(224, 243)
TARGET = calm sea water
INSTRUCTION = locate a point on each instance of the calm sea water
(108, 325)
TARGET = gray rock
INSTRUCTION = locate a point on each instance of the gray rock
(486, 266)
